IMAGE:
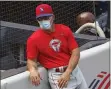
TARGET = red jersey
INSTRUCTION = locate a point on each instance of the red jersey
(51, 49)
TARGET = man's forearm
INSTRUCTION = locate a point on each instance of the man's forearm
(73, 60)
(31, 65)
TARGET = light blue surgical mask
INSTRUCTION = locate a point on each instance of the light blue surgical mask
(45, 24)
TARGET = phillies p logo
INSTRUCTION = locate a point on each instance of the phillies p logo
(55, 44)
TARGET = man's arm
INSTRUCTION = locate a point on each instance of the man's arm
(34, 74)
(74, 59)
(31, 64)
(63, 80)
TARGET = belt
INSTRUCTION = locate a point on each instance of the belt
(63, 69)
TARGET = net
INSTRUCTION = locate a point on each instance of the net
(13, 40)
(24, 12)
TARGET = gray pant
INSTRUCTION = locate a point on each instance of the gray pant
(76, 81)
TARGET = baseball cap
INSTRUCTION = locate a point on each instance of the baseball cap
(43, 10)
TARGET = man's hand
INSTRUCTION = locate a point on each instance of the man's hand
(35, 77)
(34, 74)
(63, 80)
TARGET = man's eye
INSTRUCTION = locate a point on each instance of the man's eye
(43, 18)
(46, 17)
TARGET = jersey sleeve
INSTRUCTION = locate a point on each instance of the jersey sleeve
(32, 50)
(72, 44)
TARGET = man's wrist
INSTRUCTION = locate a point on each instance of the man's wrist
(69, 71)
(32, 69)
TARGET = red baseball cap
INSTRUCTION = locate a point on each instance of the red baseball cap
(43, 10)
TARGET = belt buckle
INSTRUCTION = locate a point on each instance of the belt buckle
(61, 69)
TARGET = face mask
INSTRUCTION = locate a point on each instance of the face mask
(45, 24)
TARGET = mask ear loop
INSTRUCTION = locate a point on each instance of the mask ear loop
(51, 20)
(39, 24)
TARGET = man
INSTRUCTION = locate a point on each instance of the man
(86, 17)
(54, 47)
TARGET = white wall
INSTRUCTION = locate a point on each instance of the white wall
(95, 60)
(21, 81)
(92, 62)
